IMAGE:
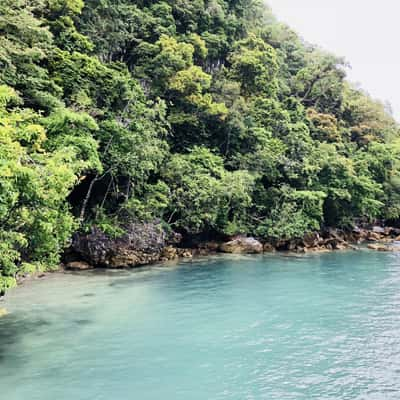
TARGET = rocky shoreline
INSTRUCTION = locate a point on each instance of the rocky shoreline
(145, 244)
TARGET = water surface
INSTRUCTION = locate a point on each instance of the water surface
(323, 327)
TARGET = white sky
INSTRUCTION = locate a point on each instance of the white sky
(365, 32)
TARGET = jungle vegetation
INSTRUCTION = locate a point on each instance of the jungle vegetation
(207, 115)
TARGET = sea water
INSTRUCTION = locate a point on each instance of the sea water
(276, 327)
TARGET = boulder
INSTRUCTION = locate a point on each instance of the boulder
(141, 244)
(174, 238)
(381, 247)
(341, 246)
(242, 245)
(332, 233)
(282, 245)
(395, 231)
(311, 239)
(169, 253)
(335, 243)
(211, 246)
(374, 236)
(78, 266)
(359, 234)
(125, 258)
(201, 252)
(379, 229)
(268, 248)
(319, 249)
(185, 253)
(389, 231)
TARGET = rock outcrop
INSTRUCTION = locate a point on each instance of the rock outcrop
(141, 244)
(144, 244)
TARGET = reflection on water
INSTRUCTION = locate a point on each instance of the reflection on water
(249, 327)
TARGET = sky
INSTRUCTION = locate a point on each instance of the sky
(365, 32)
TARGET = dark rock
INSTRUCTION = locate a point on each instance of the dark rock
(211, 246)
(142, 244)
(174, 238)
(282, 245)
(395, 232)
(352, 237)
(311, 239)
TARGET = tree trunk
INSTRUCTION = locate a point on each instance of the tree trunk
(87, 198)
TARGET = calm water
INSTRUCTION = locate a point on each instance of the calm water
(274, 327)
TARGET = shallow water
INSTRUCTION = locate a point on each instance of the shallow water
(252, 327)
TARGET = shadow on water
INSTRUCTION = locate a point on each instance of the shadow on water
(13, 329)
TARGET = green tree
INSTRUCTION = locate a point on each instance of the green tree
(35, 222)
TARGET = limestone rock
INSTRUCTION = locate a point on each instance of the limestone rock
(185, 253)
(374, 236)
(319, 249)
(169, 253)
(268, 248)
(78, 266)
(124, 259)
(142, 244)
(381, 247)
(242, 245)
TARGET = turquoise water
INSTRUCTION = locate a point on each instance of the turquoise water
(253, 327)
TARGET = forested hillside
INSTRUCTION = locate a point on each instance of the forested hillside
(207, 115)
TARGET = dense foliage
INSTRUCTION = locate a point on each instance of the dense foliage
(207, 115)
